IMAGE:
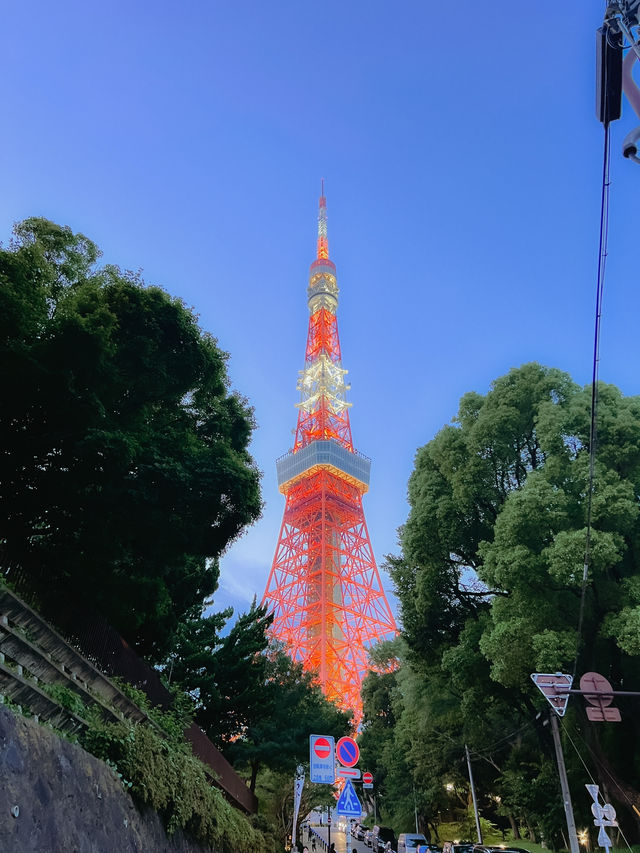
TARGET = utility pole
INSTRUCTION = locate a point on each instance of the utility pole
(564, 784)
(473, 797)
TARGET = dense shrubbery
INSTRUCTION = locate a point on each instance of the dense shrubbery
(162, 774)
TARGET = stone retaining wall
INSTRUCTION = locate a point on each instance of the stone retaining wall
(56, 798)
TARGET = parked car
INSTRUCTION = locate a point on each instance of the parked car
(457, 847)
(360, 832)
(497, 848)
(382, 834)
(410, 841)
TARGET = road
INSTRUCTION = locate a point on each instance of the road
(337, 837)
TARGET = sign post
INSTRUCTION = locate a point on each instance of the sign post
(298, 785)
(564, 784)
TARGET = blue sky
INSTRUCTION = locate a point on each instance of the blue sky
(462, 165)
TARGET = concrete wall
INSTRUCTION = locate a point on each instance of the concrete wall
(56, 798)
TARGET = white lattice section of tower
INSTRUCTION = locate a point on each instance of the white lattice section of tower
(323, 379)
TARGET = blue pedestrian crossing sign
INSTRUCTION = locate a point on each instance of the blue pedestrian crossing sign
(348, 803)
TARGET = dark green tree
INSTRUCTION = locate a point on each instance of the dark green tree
(256, 704)
(124, 472)
(490, 578)
(225, 672)
(293, 707)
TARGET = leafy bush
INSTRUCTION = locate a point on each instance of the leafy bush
(163, 775)
(66, 698)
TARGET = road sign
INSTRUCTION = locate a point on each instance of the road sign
(604, 815)
(348, 803)
(347, 751)
(348, 772)
(367, 780)
(555, 687)
(599, 694)
(321, 759)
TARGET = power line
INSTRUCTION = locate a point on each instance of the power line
(593, 427)
(602, 768)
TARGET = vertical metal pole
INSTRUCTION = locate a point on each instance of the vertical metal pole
(564, 784)
(473, 797)
(347, 833)
(293, 830)
(329, 828)
(415, 808)
(375, 817)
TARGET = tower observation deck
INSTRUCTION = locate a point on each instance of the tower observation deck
(324, 588)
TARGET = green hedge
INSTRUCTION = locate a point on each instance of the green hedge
(161, 773)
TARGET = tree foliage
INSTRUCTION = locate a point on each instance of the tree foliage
(124, 472)
(225, 673)
(292, 708)
(256, 704)
(490, 584)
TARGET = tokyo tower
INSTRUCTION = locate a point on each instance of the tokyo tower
(324, 587)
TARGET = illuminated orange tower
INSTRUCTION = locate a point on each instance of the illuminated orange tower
(324, 588)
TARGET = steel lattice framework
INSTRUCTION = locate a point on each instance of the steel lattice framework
(324, 587)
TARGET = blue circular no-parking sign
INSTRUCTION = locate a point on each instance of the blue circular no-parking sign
(347, 752)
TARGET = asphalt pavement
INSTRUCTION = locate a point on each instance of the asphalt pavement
(337, 837)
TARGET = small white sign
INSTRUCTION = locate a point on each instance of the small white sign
(348, 772)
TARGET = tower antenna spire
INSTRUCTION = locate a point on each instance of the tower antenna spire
(323, 240)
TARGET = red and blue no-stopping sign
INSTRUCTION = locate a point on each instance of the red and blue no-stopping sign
(347, 751)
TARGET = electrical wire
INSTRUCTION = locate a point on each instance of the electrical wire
(565, 729)
(489, 749)
(593, 427)
(602, 768)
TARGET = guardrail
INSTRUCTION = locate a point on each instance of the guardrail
(33, 654)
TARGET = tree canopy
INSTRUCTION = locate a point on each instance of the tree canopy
(256, 704)
(490, 579)
(124, 472)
